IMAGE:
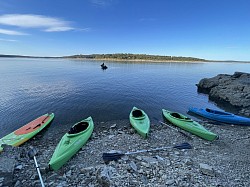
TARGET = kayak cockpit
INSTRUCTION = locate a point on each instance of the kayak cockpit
(217, 112)
(181, 117)
(138, 114)
(79, 127)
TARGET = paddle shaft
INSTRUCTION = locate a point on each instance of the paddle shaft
(148, 150)
(116, 156)
(38, 171)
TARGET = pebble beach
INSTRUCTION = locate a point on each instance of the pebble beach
(223, 162)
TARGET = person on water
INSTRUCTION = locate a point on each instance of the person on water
(103, 64)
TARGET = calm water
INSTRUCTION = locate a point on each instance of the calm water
(75, 89)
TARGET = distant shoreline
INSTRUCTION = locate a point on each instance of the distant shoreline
(125, 60)
(134, 60)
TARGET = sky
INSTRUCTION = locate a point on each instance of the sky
(209, 29)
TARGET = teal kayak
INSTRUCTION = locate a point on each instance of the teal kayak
(140, 121)
(189, 125)
(71, 143)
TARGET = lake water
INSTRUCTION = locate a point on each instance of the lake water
(76, 89)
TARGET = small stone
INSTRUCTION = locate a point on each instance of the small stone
(170, 182)
(19, 167)
(188, 162)
(206, 169)
(120, 132)
(111, 136)
(145, 164)
(113, 126)
(132, 131)
(1, 179)
(68, 174)
(144, 179)
(159, 158)
(104, 176)
(150, 160)
(18, 183)
(138, 158)
(125, 158)
(133, 166)
(168, 163)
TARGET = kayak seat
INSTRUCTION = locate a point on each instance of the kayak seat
(176, 115)
(137, 113)
(208, 110)
(81, 126)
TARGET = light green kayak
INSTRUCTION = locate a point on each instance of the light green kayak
(71, 143)
(27, 131)
(140, 121)
(189, 125)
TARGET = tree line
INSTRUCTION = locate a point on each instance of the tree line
(128, 56)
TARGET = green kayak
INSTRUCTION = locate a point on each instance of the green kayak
(71, 142)
(27, 131)
(140, 121)
(188, 125)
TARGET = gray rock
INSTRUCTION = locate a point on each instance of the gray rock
(113, 126)
(104, 175)
(111, 136)
(8, 159)
(138, 158)
(150, 160)
(159, 158)
(170, 182)
(133, 166)
(17, 184)
(188, 162)
(231, 89)
(206, 169)
(19, 167)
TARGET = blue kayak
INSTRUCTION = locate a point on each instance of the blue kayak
(221, 116)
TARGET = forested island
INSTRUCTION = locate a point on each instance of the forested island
(135, 57)
(118, 57)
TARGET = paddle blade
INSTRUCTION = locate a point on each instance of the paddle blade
(107, 157)
(183, 146)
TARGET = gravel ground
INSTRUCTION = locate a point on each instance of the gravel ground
(223, 162)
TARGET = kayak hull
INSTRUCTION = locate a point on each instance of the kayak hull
(220, 116)
(140, 122)
(71, 143)
(27, 131)
(188, 125)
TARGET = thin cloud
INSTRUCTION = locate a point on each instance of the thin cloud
(47, 24)
(11, 32)
(59, 29)
(102, 3)
(7, 40)
(85, 29)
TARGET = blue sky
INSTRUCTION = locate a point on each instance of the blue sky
(210, 29)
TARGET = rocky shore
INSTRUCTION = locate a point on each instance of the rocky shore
(233, 90)
(223, 162)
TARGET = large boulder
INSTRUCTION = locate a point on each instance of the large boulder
(231, 89)
(8, 160)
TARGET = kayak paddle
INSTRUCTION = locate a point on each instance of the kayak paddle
(116, 156)
(32, 152)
